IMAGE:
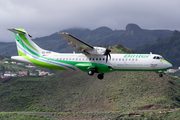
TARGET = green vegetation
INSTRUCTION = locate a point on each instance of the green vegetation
(2, 57)
(120, 49)
(75, 91)
(21, 116)
(70, 93)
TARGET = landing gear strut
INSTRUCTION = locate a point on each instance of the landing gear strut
(92, 71)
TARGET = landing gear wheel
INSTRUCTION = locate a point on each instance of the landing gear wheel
(160, 75)
(90, 72)
(100, 76)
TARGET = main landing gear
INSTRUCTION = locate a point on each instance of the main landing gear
(93, 70)
(100, 76)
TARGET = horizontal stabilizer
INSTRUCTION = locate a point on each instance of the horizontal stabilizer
(16, 31)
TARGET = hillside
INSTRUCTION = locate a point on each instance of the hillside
(169, 48)
(76, 91)
(132, 37)
(70, 93)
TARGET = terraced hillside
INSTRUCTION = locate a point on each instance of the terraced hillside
(76, 91)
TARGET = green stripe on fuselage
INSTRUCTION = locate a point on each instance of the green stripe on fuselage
(40, 63)
(164, 61)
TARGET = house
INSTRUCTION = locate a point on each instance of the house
(30, 66)
(42, 73)
(171, 71)
(5, 61)
(23, 73)
(13, 62)
(8, 74)
(32, 74)
(20, 63)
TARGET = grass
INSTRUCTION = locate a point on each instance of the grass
(77, 92)
(20, 116)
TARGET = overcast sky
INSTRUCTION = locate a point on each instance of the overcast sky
(44, 17)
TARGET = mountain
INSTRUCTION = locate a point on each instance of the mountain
(132, 37)
(169, 48)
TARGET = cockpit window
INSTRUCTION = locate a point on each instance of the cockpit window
(158, 57)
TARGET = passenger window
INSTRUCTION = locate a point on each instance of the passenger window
(103, 58)
(72, 58)
(154, 57)
(93, 59)
(116, 59)
(96, 58)
(89, 58)
(158, 57)
(76, 58)
(119, 59)
(123, 59)
(99, 58)
(129, 59)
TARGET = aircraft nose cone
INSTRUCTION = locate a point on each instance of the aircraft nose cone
(169, 65)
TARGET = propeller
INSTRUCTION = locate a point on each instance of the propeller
(107, 53)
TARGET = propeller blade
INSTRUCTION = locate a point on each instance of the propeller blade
(106, 58)
(110, 56)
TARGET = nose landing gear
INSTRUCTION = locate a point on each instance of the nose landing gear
(160, 75)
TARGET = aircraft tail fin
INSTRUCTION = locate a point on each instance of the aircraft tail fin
(25, 45)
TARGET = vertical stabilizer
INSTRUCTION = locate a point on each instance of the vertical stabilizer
(25, 45)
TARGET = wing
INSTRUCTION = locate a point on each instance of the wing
(75, 43)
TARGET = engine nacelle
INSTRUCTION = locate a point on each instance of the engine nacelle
(97, 51)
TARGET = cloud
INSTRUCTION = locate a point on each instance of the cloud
(44, 17)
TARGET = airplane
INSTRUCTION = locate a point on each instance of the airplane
(90, 59)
